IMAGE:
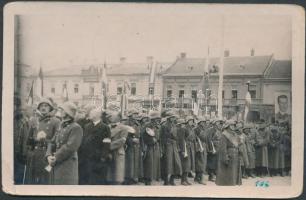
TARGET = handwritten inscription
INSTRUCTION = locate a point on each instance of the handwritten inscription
(264, 184)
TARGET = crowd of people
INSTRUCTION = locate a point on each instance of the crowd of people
(65, 145)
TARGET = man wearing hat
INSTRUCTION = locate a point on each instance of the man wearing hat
(249, 142)
(191, 139)
(143, 119)
(94, 150)
(200, 151)
(213, 140)
(228, 172)
(171, 156)
(132, 149)
(261, 148)
(41, 132)
(62, 151)
(119, 134)
(184, 150)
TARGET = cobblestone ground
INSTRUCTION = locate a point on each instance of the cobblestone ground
(276, 181)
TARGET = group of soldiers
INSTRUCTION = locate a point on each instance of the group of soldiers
(66, 145)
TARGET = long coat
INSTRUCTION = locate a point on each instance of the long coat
(184, 149)
(132, 156)
(191, 140)
(36, 161)
(274, 149)
(243, 154)
(148, 145)
(261, 148)
(157, 154)
(228, 172)
(213, 141)
(200, 150)
(287, 149)
(66, 143)
(95, 153)
(116, 168)
(249, 142)
(172, 159)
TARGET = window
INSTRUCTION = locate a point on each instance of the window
(181, 93)
(91, 90)
(223, 94)
(169, 93)
(151, 91)
(76, 88)
(194, 94)
(53, 90)
(234, 94)
(119, 90)
(133, 88)
(253, 94)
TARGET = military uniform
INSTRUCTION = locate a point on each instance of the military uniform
(249, 142)
(171, 158)
(229, 172)
(36, 173)
(261, 150)
(64, 147)
(132, 150)
(274, 151)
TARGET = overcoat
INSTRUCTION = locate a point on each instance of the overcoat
(66, 143)
(287, 148)
(172, 159)
(243, 154)
(200, 150)
(261, 148)
(228, 172)
(184, 149)
(95, 152)
(191, 141)
(116, 168)
(249, 142)
(132, 150)
(157, 154)
(36, 161)
(213, 140)
(274, 149)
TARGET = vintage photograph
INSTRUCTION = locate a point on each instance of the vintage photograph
(152, 95)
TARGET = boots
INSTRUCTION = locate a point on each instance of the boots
(184, 179)
(172, 180)
(166, 180)
(202, 179)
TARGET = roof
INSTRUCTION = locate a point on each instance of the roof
(280, 69)
(112, 69)
(252, 65)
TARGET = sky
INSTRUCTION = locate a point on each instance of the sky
(61, 40)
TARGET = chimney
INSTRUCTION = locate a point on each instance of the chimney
(252, 52)
(226, 53)
(183, 55)
(122, 60)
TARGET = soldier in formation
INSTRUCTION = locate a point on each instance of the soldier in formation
(88, 145)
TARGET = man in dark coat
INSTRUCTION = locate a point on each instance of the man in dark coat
(82, 119)
(62, 151)
(95, 149)
(132, 150)
(172, 160)
(184, 150)
(41, 132)
(274, 149)
(243, 155)
(21, 130)
(213, 140)
(229, 172)
(191, 140)
(261, 148)
(249, 142)
(200, 151)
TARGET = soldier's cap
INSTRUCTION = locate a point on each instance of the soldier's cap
(47, 101)
(181, 121)
(247, 127)
(132, 112)
(229, 122)
(201, 119)
(143, 116)
(188, 118)
(69, 108)
(154, 115)
(163, 120)
(217, 120)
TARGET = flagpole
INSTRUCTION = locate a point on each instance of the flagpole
(220, 88)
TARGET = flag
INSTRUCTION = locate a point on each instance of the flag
(247, 105)
(31, 95)
(104, 84)
(195, 109)
(205, 79)
(65, 92)
(152, 79)
(40, 83)
(124, 100)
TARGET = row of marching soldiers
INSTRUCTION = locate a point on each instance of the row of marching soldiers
(65, 145)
